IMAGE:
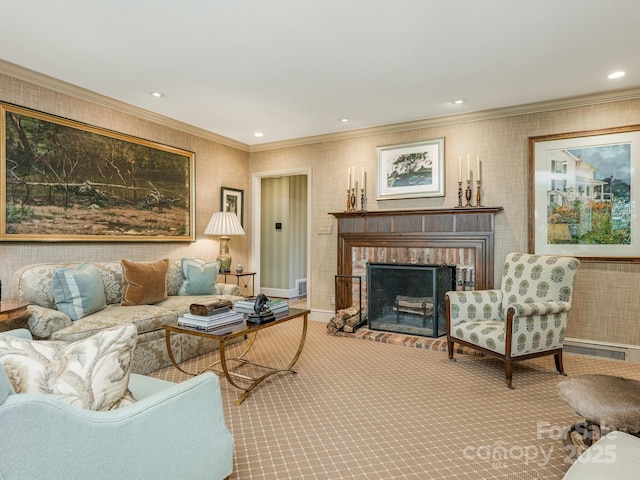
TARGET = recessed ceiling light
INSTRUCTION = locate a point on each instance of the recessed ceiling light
(616, 75)
(344, 120)
(459, 101)
(157, 94)
(258, 134)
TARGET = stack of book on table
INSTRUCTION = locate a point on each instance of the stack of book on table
(276, 305)
(210, 317)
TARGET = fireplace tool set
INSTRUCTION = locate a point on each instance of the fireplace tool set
(462, 281)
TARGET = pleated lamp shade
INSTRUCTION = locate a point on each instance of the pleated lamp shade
(224, 224)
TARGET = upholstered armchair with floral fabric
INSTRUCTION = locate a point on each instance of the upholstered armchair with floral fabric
(526, 318)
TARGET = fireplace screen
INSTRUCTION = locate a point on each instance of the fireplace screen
(409, 298)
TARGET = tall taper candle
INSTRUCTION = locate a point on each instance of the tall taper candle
(460, 169)
(478, 166)
(468, 167)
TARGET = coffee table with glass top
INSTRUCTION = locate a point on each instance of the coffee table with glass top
(225, 336)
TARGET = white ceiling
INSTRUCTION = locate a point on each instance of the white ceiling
(294, 68)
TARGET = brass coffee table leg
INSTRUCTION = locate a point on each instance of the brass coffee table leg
(272, 371)
(303, 337)
(224, 338)
(249, 345)
(167, 339)
(225, 368)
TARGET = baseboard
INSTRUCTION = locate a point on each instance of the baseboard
(321, 315)
(610, 351)
(280, 292)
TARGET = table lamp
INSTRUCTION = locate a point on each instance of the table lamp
(224, 224)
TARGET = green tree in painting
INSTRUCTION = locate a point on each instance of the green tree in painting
(57, 165)
(411, 169)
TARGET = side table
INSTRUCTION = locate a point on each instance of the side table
(244, 280)
(11, 310)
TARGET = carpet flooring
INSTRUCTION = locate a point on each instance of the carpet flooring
(373, 410)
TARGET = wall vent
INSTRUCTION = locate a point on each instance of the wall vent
(594, 350)
(302, 287)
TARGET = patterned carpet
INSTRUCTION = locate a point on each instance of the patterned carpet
(372, 410)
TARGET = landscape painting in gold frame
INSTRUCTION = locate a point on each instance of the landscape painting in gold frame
(63, 180)
(583, 192)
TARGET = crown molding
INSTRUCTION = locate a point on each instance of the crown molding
(55, 84)
(41, 80)
(537, 107)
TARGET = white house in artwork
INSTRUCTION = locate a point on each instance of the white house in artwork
(570, 178)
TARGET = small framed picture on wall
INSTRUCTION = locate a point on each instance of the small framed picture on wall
(232, 200)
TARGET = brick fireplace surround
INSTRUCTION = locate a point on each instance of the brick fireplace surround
(458, 236)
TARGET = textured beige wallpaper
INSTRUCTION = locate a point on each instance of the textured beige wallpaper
(605, 301)
(216, 165)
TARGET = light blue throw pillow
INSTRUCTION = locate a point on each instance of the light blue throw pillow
(78, 291)
(198, 278)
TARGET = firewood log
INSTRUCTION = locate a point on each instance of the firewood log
(352, 321)
(351, 311)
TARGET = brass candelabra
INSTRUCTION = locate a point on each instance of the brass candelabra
(351, 200)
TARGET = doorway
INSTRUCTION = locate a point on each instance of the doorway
(281, 215)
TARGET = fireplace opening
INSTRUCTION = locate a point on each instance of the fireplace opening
(408, 298)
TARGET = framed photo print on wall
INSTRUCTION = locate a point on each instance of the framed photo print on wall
(232, 200)
(411, 170)
(583, 188)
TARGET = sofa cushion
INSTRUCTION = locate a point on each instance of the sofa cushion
(144, 283)
(487, 334)
(199, 278)
(92, 373)
(78, 291)
(146, 318)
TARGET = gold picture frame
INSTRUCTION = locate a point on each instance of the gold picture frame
(64, 180)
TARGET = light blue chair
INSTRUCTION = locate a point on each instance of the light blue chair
(173, 431)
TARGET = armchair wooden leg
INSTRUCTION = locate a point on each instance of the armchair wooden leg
(508, 370)
(559, 366)
(450, 350)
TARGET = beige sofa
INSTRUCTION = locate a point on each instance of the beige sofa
(34, 283)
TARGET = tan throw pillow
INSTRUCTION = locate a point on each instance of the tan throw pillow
(92, 373)
(144, 283)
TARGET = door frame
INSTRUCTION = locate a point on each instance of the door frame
(256, 218)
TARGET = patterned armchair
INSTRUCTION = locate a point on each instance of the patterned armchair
(526, 318)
